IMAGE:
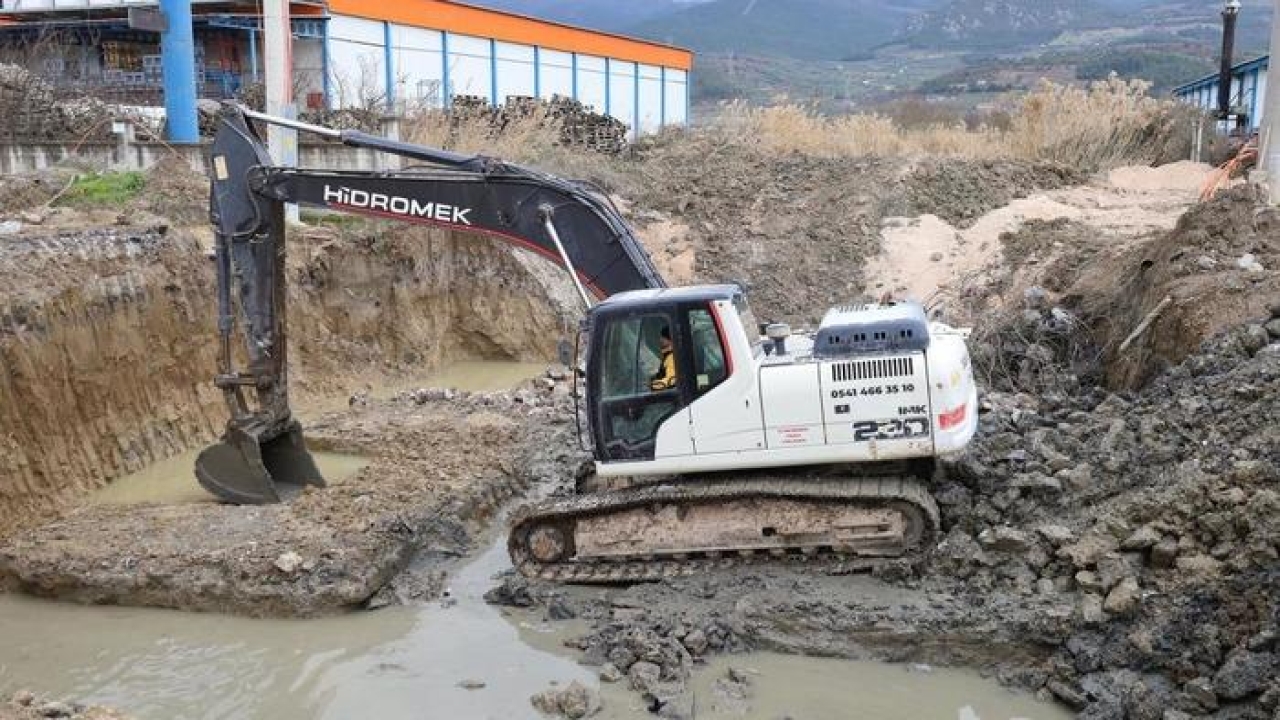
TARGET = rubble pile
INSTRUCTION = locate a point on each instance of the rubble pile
(32, 112)
(1157, 513)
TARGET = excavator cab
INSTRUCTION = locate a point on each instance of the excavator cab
(630, 391)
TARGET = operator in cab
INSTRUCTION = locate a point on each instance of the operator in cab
(665, 378)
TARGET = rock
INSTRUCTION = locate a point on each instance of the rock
(741, 676)
(1113, 568)
(1070, 696)
(936, 257)
(1164, 553)
(1244, 673)
(1273, 308)
(1200, 690)
(1206, 263)
(1091, 609)
(610, 673)
(1123, 598)
(471, 684)
(574, 702)
(513, 592)
(1037, 482)
(1078, 477)
(558, 609)
(1056, 535)
(10, 227)
(1273, 328)
(1198, 564)
(289, 562)
(1088, 582)
(1254, 338)
(1141, 539)
(1005, 539)
(24, 698)
(55, 710)
(579, 701)
(696, 642)
(645, 677)
(679, 707)
(1085, 552)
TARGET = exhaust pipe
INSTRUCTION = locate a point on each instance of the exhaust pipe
(1230, 13)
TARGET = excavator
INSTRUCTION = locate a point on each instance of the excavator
(722, 439)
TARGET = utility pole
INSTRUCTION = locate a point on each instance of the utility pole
(277, 38)
(178, 68)
(1269, 136)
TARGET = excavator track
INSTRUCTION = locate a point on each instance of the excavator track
(632, 535)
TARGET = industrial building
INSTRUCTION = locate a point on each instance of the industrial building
(1248, 91)
(397, 53)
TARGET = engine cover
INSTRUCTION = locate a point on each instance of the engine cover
(857, 329)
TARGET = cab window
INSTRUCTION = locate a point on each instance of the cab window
(637, 391)
(709, 366)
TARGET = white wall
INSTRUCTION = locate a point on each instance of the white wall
(591, 82)
(358, 73)
(417, 65)
(357, 68)
(556, 69)
(516, 70)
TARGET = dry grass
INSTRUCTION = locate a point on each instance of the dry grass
(1106, 124)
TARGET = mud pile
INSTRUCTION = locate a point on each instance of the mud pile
(441, 464)
(1116, 552)
(797, 230)
(1221, 264)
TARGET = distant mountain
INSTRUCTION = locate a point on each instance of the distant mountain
(804, 29)
(988, 24)
(606, 15)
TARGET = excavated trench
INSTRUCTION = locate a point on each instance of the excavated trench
(107, 335)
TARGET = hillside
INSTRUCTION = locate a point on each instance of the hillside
(991, 24)
(804, 29)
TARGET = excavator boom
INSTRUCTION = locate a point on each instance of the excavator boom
(564, 221)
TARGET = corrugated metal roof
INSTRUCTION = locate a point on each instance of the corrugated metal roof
(1244, 68)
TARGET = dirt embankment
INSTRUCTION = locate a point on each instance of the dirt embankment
(798, 230)
(107, 330)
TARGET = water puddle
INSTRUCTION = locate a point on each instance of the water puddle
(173, 481)
(411, 662)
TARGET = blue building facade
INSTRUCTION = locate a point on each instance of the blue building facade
(1248, 90)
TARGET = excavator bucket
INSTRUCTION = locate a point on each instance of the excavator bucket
(245, 470)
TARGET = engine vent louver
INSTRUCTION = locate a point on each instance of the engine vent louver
(873, 369)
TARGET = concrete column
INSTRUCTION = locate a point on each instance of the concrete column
(178, 67)
(277, 41)
(1269, 129)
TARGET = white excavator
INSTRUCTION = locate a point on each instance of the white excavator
(722, 439)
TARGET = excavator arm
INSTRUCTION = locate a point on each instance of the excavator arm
(564, 221)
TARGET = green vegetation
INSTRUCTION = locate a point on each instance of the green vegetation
(104, 189)
(1164, 70)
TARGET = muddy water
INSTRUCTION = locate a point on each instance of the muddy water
(410, 663)
(173, 481)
